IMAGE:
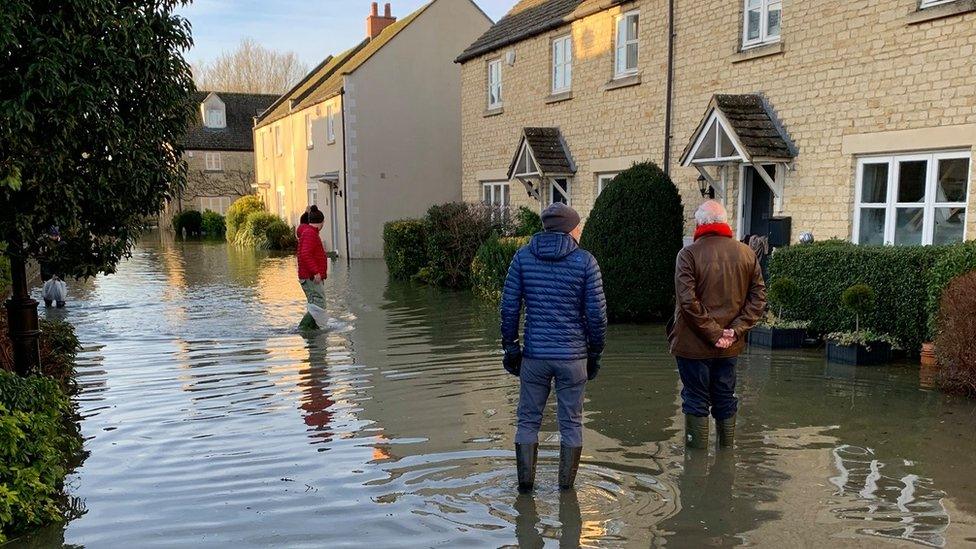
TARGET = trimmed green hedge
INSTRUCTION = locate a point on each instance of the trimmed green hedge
(490, 265)
(213, 224)
(635, 231)
(190, 221)
(899, 275)
(238, 211)
(404, 247)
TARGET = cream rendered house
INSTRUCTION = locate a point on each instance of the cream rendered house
(372, 134)
(854, 120)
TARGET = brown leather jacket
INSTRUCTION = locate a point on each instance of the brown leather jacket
(718, 285)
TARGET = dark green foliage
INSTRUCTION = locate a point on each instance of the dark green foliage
(404, 248)
(490, 265)
(280, 236)
(635, 232)
(782, 294)
(898, 275)
(859, 299)
(96, 100)
(213, 224)
(188, 223)
(954, 342)
(957, 260)
(266, 231)
(238, 211)
(38, 443)
(454, 233)
(526, 222)
(4, 273)
(59, 347)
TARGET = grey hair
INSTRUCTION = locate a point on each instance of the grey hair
(711, 211)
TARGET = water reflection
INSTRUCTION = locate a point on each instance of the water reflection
(211, 420)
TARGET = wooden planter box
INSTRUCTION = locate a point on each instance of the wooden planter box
(858, 355)
(777, 338)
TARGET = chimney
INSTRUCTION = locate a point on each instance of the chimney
(376, 23)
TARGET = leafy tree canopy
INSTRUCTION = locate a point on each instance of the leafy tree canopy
(94, 101)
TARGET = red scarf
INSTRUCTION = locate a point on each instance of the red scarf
(717, 229)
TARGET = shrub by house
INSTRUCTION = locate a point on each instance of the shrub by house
(454, 232)
(213, 225)
(490, 265)
(238, 211)
(265, 231)
(404, 247)
(188, 222)
(954, 343)
(635, 232)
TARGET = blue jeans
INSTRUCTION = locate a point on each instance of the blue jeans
(536, 378)
(708, 383)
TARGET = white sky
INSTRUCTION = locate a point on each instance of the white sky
(311, 28)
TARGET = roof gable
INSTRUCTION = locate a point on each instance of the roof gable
(541, 152)
(240, 109)
(749, 126)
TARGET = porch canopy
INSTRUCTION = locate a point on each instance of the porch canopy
(541, 156)
(736, 130)
(329, 178)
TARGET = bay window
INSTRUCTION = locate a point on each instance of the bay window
(627, 45)
(761, 22)
(912, 199)
(562, 64)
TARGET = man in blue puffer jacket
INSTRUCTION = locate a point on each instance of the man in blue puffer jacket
(565, 327)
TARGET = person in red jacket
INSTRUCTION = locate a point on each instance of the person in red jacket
(313, 267)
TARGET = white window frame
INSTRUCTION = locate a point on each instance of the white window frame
(280, 198)
(309, 141)
(264, 144)
(931, 3)
(495, 84)
(496, 195)
(604, 179)
(330, 124)
(566, 192)
(562, 64)
(279, 146)
(891, 204)
(213, 161)
(765, 6)
(215, 117)
(313, 194)
(620, 68)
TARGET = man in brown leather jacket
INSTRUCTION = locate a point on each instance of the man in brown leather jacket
(720, 297)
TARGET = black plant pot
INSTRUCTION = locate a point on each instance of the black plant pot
(777, 338)
(859, 355)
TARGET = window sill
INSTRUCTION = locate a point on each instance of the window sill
(330, 142)
(559, 97)
(213, 171)
(938, 12)
(756, 52)
(623, 82)
(495, 111)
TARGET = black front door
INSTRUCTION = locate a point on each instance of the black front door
(760, 203)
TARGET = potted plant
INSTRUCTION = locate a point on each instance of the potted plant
(860, 347)
(775, 331)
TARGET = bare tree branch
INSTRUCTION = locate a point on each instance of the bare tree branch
(233, 183)
(251, 68)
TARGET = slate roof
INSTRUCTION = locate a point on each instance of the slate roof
(531, 17)
(549, 150)
(754, 124)
(325, 80)
(241, 109)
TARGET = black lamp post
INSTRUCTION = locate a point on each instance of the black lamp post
(704, 188)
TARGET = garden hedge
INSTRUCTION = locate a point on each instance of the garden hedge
(188, 221)
(526, 222)
(635, 231)
(953, 344)
(404, 247)
(238, 211)
(454, 232)
(213, 224)
(490, 265)
(900, 276)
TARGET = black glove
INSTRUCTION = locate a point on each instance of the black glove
(592, 366)
(513, 362)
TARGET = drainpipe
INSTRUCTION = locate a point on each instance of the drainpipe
(669, 104)
(345, 175)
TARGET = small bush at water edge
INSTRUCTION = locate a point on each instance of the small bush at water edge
(265, 231)
(490, 265)
(954, 342)
(58, 345)
(213, 224)
(188, 222)
(404, 248)
(454, 233)
(238, 211)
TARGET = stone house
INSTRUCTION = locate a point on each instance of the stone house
(854, 120)
(219, 152)
(372, 134)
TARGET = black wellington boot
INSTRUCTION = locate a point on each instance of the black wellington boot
(726, 432)
(525, 458)
(569, 458)
(696, 431)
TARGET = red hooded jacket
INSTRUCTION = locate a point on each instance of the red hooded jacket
(311, 253)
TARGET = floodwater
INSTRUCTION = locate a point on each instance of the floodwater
(211, 421)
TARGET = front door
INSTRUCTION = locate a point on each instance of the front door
(757, 207)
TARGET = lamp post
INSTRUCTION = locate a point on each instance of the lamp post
(705, 189)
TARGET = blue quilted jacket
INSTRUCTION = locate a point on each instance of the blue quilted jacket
(562, 289)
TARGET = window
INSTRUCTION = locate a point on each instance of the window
(279, 146)
(559, 191)
(562, 64)
(313, 194)
(264, 144)
(213, 162)
(215, 117)
(496, 194)
(912, 199)
(218, 204)
(309, 142)
(281, 202)
(930, 3)
(625, 53)
(495, 84)
(330, 124)
(761, 22)
(602, 180)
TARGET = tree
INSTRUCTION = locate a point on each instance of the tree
(96, 98)
(251, 68)
(234, 183)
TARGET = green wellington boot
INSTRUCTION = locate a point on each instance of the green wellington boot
(569, 459)
(696, 431)
(726, 432)
(526, 456)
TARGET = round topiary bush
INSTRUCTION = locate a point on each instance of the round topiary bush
(635, 232)
(953, 341)
(858, 299)
(238, 211)
(782, 294)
